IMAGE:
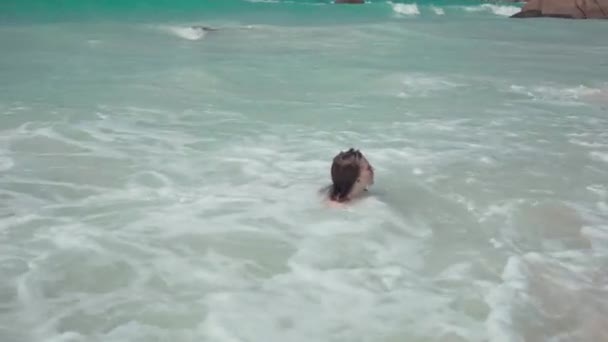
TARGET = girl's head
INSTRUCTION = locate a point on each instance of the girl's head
(351, 174)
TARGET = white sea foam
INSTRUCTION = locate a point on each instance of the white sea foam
(421, 85)
(599, 156)
(157, 190)
(592, 144)
(501, 10)
(573, 95)
(545, 284)
(597, 236)
(6, 163)
(438, 10)
(406, 9)
(501, 300)
(600, 96)
(599, 190)
(188, 33)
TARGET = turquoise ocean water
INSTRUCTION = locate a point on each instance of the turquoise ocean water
(160, 183)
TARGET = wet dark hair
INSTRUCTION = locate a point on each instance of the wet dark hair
(345, 171)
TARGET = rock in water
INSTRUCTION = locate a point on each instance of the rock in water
(203, 28)
(572, 9)
(528, 14)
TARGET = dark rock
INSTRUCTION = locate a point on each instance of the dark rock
(528, 14)
(203, 28)
(571, 9)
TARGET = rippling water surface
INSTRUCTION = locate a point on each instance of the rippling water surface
(161, 183)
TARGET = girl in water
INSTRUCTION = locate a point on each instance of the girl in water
(351, 175)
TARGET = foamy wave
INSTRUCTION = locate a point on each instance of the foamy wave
(597, 236)
(600, 156)
(437, 10)
(6, 163)
(506, 11)
(418, 85)
(501, 300)
(406, 9)
(560, 94)
(583, 143)
(598, 96)
(598, 189)
(189, 33)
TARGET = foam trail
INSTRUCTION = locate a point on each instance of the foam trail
(406, 9)
(558, 94)
(600, 156)
(438, 10)
(189, 33)
(506, 11)
(6, 163)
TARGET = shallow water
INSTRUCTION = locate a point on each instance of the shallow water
(160, 183)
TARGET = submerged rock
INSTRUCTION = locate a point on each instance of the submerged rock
(203, 28)
(571, 9)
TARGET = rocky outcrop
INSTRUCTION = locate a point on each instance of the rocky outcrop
(572, 9)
